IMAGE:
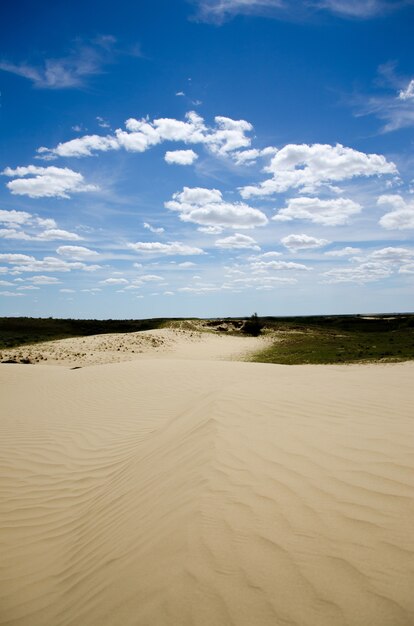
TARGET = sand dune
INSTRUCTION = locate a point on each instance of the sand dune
(173, 491)
(118, 347)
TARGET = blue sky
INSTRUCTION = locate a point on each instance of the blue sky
(206, 158)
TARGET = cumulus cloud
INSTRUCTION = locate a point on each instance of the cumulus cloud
(58, 233)
(325, 212)
(238, 242)
(76, 252)
(14, 220)
(401, 216)
(171, 248)
(224, 138)
(44, 182)
(363, 273)
(210, 230)
(115, 281)
(303, 242)
(247, 157)
(10, 294)
(393, 254)
(307, 167)
(13, 233)
(14, 217)
(279, 265)
(373, 266)
(347, 251)
(44, 280)
(207, 208)
(80, 147)
(180, 157)
(26, 263)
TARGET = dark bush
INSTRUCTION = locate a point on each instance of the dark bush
(253, 326)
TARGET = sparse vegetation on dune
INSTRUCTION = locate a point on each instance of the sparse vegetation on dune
(293, 340)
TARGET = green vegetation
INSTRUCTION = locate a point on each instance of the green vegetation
(339, 339)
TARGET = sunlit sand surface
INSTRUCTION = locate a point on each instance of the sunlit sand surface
(181, 488)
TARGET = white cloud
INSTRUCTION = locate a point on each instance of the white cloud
(186, 264)
(102, 122)
(237, 241)
(307, 167)
(230, 135)
(408, 92)
(242, 157)
(76, 252)
(270, 254)
(12, 233)
(25, 263)
(224, 138)
(16, 258)
(207, 208)
(153, 229)
(58, 233)
(28, 288)
(210, 230)
(393, 254)
(115, 281)
(67, 290)
(44, 280)
(364, 273)
(180, 157)
(14, 218)
(303, 242)
(171, 248)
(326, 212)
(80, 147)
(44, 182)
(279, 265)
(347, 251)
(47, 222)
(148, 278)
(10, 294)
(401, 217)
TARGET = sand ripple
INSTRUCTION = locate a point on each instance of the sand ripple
(167, 492)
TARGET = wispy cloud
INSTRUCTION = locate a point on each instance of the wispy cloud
(219, 11)
(394, 104)
(85, 59)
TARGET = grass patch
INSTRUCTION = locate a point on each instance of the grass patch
(340, 340)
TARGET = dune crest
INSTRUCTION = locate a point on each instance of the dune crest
(196, 492)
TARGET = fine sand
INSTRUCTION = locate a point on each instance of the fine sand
(181, 489)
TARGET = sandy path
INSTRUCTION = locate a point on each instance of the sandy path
(169, 491)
